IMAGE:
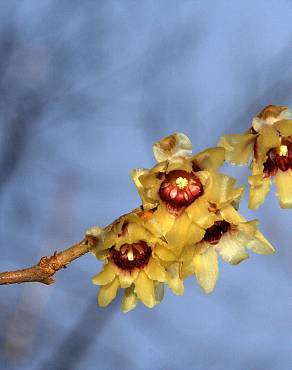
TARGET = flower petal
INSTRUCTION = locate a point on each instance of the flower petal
(130, 299)
(126, 278)
(267, 139)
(173, 145)
(144, 288)
(174, 280)
(199, 213)
(231, 248)
(238, 148)
(258, 191)
(206, 269)
(230, 214)
(260, 244)
(161, 221)
(178, 235)
(146, 200)
(179, 163)
(106, 276)
(284, 127)
(164, 253)
(283, 182)
(159, 291)
(270, 115)
(210, 159)
(221, 189)
(108, 292)
(155, 271)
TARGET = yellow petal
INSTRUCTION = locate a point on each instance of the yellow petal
(270, 115)
(260, 244)
(126, 278)
(258, 191)
(238, 148)
(231, 215)
(155, 271)
(187, 269)
(174, 280)
(100, 254)
(194, 235)
(161, 221)
(106, 276)
(94, 231)
(159, 291)
(267, 139)
(164, 253)
(199, 213)
(222, 190)
(108, 292)
(129, 301)
(146, 200)
(173, 145)
(178, 234)
(211, 158)
(283, 182)
(179, 163)
(206, 269)
(144, 288)
(284, 127)
(231, 248)
(136, 232)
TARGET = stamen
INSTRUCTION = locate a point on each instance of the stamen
(181, 182)
(130, 254)
(283, 150)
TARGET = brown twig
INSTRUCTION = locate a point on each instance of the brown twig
(44, 270)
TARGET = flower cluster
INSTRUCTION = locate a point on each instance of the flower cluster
(268, 145)
(187, 219)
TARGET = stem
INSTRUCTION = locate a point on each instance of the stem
(45, 269)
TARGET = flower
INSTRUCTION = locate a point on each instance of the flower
(180, 188)
(131, 263)
(229, 236)
(268, 144)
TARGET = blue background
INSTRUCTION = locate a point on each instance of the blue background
(86, 88)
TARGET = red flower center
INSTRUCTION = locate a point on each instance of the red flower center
(180, 188)
(215, 232)
(131, 256)
(278, 158)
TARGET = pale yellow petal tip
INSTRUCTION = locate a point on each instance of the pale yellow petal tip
(94, 231)
(269, 115)
(283, 180)
(207, 290)
(238, 148)
(177, 144)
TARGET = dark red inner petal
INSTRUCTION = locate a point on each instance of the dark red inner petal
(141, 255)
(180, 195)
(276, 161)
(215, 232)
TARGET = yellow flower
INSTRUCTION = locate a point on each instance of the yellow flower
(180, 188)
(131, 263)
(229, 236)
(268, 144)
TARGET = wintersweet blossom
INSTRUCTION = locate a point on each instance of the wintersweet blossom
(180, 188)
(268, 145)
(131, 263)
(229, 236)
(187, 218)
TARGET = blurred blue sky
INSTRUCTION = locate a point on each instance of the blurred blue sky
(86, 88)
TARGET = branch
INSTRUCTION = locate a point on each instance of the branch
(44, 270)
